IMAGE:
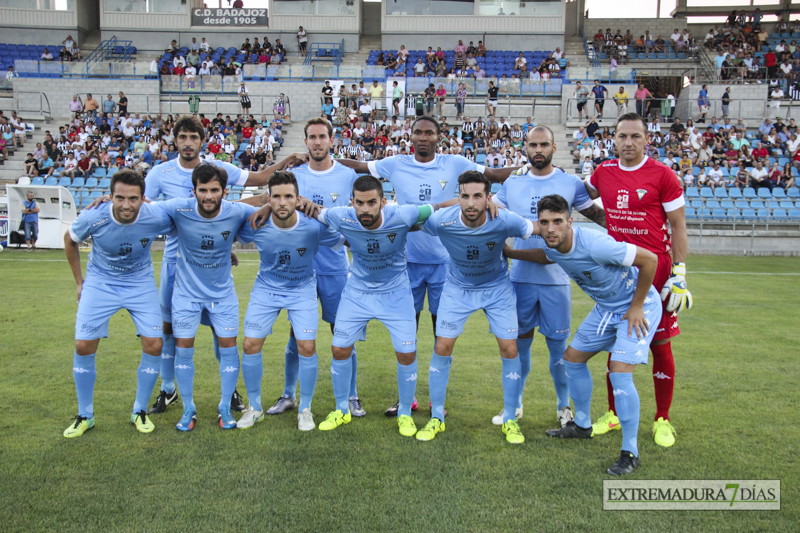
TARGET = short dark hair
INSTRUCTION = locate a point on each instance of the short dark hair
(318, 120)
(283, 177)
(473, 176)
(632, 117)
(553, 203)
(128, 176)
(189, 124)
(206, 172)
(368, 183)
(429, 119)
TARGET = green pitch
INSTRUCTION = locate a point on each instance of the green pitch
(735, 411)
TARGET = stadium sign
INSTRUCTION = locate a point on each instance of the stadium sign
(230, 17)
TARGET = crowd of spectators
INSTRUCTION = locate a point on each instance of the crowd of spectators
(719, 154)
(619, 46)
(200, 59)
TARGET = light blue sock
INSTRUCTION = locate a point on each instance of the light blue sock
(252, 372)
(291, 368)
(84, 372)
(580, 389)
(184, 375)
(626, 400)
(557, 372)
(524, 350)
(168, 363)
(511, 379)
(406, 386)
(354, 374)
(308, 380)
(228, 373)
(217, 353)
(340, 374)
(146, 381)
(438, 377)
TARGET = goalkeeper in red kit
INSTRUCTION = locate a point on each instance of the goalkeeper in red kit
(640, 195)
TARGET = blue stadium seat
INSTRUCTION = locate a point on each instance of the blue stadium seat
(77, 182)
(778, 193)
(387, 187)
(732, 214)
(749, 214)
(496, 188)
(104, 183)
(794, 214)
(706, 192)
(720, 192)
(780, 214)
(763, 214)
(37, 181)
(712, 204)
(757, 204)
(727, 204)
(705, 213)
(742, 204)
(691, 192)
(690, 213)
(51, 181)
(793, 192)
(719, 214)
(64, 182)
(786, 204)
(749, 192)
(99, 172)
(735, 193)
(111, 172)
(763, 192)
(91, 183)
(697, 204)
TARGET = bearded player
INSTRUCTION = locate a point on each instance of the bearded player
(640, 195)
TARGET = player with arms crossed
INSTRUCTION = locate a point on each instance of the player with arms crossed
(477, 278)
(328, 184)
(422, 179)
(119, 275)
(206, 226)
(377, 288)
(289, 244)
(543, 292)
(622, 321)
(640, 196)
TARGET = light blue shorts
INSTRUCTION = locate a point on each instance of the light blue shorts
(329, 292)
(166, 286)
(499, 304)
(430, 278)
(100, 301)
(603, 331)
(222, 316)
(546, 306)
(394, 309)
(265, 306)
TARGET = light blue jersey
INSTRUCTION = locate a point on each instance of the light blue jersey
(521, 194)
(288, 255)
(204, 274)
(476, 254)
(379, 263)
(601, 267)
(418, 183)
(329, 188)
(174, 181)
(120, 252)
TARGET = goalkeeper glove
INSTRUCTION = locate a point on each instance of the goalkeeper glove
(675, 292)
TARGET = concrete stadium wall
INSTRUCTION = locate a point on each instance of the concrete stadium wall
(59, 92)
(747, 101)
(18, 35)
(637, 26)
(609, 109)
(448, 41)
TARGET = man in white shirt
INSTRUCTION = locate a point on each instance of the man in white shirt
(365, 109)
(792, 144)
(587, 167)
(715, 175)
(178, 60)
(70, 165)
(775, 104)
(674, 37)
(494, 156)
(759, 176)
(204, 46)
(786, 68)
(557, 54)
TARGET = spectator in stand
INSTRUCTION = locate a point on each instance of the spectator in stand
(642, 96)
(621, 99)
(75, 106)
(46, 55)
(759, 177)
(302, 41)
(64, 55)
(91, 106)
(703, 103)
(600, 93)
(441, 95)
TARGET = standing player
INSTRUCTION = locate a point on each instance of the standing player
(640, 196)
(288, 243)
(477, 279)
(543, 292)
(328, 184)
(378, 288)
(422, 179)
(206, 227)
(119, 275)
(627, 307)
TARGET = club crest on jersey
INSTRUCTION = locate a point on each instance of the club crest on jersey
(425, 193)
(641, 193)
(392, 237)
(535, 206)
(284, 257)
(490, 245)
(225, 234)
(622, 199)
(125, 249)
(587, 273)
(317, 199)
(334, 195)
(443, 183)
(473, 253)
(373, 246)
(144, 242)
(206, 242)
(301, 251)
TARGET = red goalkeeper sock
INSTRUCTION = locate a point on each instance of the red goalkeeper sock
(663, 378)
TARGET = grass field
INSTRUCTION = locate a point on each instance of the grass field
(735, 410)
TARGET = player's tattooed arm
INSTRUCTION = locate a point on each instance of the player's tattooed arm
(72, 249)
(532, 255)
(596, 214)
(499, 175)
(260, 179)
(361, 167)
(593, 194)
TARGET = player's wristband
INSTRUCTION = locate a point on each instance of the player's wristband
(679, 269)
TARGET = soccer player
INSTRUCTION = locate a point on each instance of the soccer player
(543, 292)
(640, 196)
(477, 278)
(328, 184)
(622, 321)
(421, 179)
(378, 288)
(206, 227)
(289, 244)
(119, 275)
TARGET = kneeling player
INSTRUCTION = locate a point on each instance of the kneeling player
(477, 279)
(288, 244)
(119, 275)
(627, 304)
